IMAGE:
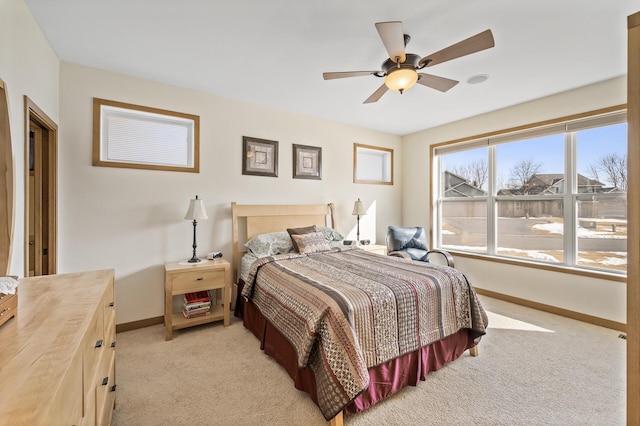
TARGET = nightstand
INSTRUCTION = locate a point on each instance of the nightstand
(375, 248)
(183, 277)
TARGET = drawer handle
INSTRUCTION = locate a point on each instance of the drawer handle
(200, 279)
(105, 381)
(4, 310)
(99, 344)
(113, 344)
(111, 305)
(113, 388)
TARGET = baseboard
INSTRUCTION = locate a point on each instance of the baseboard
(614, 325)
(134, 325)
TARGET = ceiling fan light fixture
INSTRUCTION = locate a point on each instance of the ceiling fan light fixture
(401, 79)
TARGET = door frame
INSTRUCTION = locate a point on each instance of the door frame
(33, 113)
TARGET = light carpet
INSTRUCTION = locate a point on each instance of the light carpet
(534, 368)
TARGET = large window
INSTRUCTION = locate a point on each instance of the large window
(554, 194)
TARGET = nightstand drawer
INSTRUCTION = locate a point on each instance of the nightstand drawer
(8, 306)
(185, 282)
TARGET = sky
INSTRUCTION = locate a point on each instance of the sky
(592, 144)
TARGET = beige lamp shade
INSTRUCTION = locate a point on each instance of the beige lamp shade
(401, 79)
(358, 209)
(196, 210)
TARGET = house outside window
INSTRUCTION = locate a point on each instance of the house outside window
(552, 194)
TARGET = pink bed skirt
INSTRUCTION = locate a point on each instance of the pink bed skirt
(386, 379)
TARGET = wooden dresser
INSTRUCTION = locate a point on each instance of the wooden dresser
(57, 356)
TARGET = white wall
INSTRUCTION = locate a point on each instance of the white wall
(598, 297)
(132, 220)
(29, 67)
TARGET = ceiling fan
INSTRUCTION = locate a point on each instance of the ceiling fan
(400, 71)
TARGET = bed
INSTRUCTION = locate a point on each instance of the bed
(349, 326)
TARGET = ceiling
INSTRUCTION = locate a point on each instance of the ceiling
(274, 52)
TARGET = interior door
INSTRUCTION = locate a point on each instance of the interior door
(40, 193)
(38, 249)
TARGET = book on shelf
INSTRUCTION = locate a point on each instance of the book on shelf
(195, 310)
(197, 297)
(196, 306)
(195, 314)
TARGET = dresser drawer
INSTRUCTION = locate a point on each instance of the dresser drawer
(109, 304)
(8, 306)
(108, 299)
(185, 282)
(106, 391)
(93, 346)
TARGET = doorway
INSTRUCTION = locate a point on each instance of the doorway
(40, 192)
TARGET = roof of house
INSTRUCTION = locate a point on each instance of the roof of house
(552, 183)
(457, 186)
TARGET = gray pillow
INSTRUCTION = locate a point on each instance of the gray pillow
(330, 234)
(270, 244)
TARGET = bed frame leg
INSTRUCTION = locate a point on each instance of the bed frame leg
(337, 420)
(473, 351)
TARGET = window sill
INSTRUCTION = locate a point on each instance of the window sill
(563, 269)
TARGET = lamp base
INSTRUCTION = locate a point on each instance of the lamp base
(194, 260)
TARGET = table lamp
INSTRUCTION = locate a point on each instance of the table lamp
(358, 210)
(196, 212)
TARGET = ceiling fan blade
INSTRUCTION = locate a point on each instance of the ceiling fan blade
(392, 36)
(377, 94)
(345, 74)
(439, 83)
(476, 43)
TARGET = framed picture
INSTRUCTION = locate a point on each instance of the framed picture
(307, 162)
(259, 157)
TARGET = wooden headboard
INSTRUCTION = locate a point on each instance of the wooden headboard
(251, 220)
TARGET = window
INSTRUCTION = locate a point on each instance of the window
(133, 136)
(372, 164)
(554, 194)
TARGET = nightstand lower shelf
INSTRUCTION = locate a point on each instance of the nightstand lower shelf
(179, 321)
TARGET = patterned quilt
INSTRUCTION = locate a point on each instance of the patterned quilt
(347, 310)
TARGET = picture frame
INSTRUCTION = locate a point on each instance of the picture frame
(307, 162)
(259, 157)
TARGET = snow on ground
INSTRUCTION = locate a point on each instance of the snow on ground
(552, 228)
(533, 254)
(614, 261)
(557, 228)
